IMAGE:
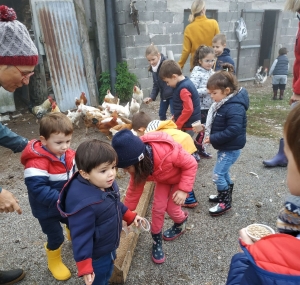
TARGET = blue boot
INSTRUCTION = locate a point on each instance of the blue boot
(279, 159)
(176, 230)
(158, 255)
(191, 201)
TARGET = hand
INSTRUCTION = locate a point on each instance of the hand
(206, 140)
(147, 100)
(243, 235)
(138, 220)
(294, 98)
(89, 278)
(8, 203)
(179, 197)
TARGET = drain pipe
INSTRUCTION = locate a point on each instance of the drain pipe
(111, 41)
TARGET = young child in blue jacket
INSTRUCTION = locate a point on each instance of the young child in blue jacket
(155, 58)
(91, 202)
(225, 130)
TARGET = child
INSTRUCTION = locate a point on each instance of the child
(222, 53)
(142, 123)
(49, 164)
(204, 61)
(273, 259)
(279, 70)
(226, 130)
(157, 157)
(186, 103)
(159, 86)
(91, 201)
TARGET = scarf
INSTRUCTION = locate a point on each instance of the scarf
(212, 112)
(154, 68)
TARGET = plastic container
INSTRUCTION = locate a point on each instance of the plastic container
(257, 237)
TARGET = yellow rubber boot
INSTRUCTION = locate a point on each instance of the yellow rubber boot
(68, 234)
(55, 264)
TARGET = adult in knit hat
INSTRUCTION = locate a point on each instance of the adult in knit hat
(18, 57)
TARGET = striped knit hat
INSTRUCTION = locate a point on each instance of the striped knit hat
(16, 46)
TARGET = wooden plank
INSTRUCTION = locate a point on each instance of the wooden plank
(128, 243)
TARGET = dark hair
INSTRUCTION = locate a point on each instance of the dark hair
(55, 123)
(142, 169)
(282, 51)
(223, 79)
(219, 37)
(201, 52)
(292, 133)
(92, 153)
(140, 120)
(168, 68)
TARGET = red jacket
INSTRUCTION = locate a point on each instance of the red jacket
(296, 79)
(171, 165)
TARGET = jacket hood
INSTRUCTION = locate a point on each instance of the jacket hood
(90, 195)
(226, 52)
(157, 125)
(240, 98)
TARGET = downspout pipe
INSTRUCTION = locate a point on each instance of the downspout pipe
(112, 50)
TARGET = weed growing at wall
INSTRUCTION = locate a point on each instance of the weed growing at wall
(104, 82)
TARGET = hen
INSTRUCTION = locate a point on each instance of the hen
(134, 106)
(137, 94)
(54, 108)
(91, 119)
(74, 117)
(109, 98)
(82, 99)
(105, 127)
(261, 75)
(40, 110)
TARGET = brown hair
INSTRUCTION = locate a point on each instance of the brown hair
(142, 169)
(197, 9)
(140, 120)
(219, 37)
(282, 51)
(223, 79)
(168, 68)
(292, 133)
(201, 52)
(55, 123)
(152, 49)
(92, 153)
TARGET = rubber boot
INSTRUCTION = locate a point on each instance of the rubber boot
(224, 204)
(275, 94)
(281, 94)
(158, 255)
(191, 201)
(176, 230)
(279, 159)
(55, 264)
(215, 198)
(201, 149)
(11, 276)
(68, 234)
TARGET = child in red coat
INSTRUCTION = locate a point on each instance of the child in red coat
(157, 157)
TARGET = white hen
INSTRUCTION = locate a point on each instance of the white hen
(138, 94)
(134, 106)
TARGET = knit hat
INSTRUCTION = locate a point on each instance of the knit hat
(16, 46)
(130, 148)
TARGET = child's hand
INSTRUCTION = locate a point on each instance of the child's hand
(138, 220)
(206, 140)
(89, 278)
(179, 197)
(147, 100)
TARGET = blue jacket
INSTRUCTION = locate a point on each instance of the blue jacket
(228, 131)
(178, 104)
(95, 219)
(159, 86)
(224, 58)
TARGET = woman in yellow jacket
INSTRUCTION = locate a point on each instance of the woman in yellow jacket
(200, 31)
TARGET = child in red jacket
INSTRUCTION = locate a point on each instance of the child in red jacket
(157, 157)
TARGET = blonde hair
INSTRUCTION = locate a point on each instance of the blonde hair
(196, 9)
(292, 5)
(152, 49)
(219, 37)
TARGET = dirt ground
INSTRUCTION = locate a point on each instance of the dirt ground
(201, 256)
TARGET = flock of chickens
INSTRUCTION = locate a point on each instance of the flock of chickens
(108, 118)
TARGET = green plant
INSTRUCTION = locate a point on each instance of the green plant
(104, 85)
(124, 81)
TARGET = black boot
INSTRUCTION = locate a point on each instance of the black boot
(224, 203)
(279, 159)
(11, 276)
(215, 198)
(175, 231)
(158, 255)
(281, 94)
(274, 94)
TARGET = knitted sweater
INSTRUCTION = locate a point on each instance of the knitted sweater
(199, 77)
(200, 32)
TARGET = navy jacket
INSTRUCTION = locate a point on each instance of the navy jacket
(228, 131)
(159, 86)
(224, 58)
(95, 219)
(178, 104)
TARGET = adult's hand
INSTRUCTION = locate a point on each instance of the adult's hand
(8, 202)
(294, 98)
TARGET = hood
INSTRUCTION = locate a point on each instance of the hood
(240, 98)
(157, 125)
(226, 52)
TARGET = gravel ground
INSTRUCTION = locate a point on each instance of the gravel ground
(201, 256)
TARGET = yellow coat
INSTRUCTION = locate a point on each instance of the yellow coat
(178, 136)
(200, 32)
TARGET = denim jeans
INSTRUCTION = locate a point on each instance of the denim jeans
(225, 159)
(103, 268)
(163, 107)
